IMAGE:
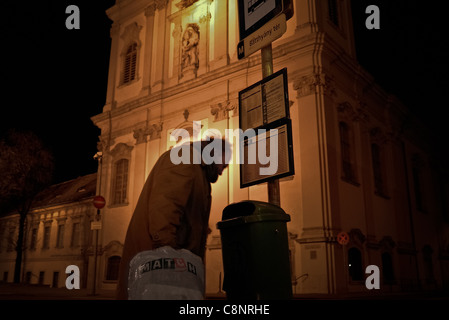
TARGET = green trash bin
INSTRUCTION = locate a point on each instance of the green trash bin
(256, 258)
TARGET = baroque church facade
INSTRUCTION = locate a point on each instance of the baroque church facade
(356, 169)
(361, 164)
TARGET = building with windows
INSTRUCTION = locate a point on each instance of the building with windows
(57, 234)
(363, 164)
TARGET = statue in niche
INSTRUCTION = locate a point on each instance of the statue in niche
(190, 40)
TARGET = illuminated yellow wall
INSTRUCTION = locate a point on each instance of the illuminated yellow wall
(322, 76)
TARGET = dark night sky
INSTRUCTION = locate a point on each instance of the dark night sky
(54, 79)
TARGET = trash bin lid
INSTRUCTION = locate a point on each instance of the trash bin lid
(248, 208)
(249, 211)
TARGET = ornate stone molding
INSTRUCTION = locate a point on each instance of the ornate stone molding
(141, 135)
(115, 28)
(357, 237)
(113, 247)
(177, 30)
(310, 84)
(346, 112)
(150, 10)
(220, 110)
(205, 18)
(131, 33)
(104, 143)
(161, 4)
(361, 116)
(90, 251)
(121, 149)
(155, 131)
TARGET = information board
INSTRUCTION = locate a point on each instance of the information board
(278, 163)
(265, 154)
(264, 102)
(253, 14)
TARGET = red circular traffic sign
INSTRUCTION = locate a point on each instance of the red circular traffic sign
(343, 238)
(99, 202)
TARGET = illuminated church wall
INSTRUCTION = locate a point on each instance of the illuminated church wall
(362, 162)
(176, 62)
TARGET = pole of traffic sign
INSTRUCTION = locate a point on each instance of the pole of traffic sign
(274, 195)
(99, 203)
(97, 218)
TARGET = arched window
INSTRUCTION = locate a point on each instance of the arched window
(113, 268)
(346, 145)
(120, 181)
(130, 63)
(355, 264)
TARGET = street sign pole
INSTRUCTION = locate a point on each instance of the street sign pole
(95, 256)
(98, 202)
(274, 195)
(260, 23)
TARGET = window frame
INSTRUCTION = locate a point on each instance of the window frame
(357, 269)
(112, 268)
(124, 182)
(76, 235)
(46, 237)
(60, 236)
(129, 63)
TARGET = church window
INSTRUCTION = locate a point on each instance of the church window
(33, 239)
(60, 236)
(355, 264)
(120, 181)
(47, 232)
(113, 268)
(387, 268)
(130, 64)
